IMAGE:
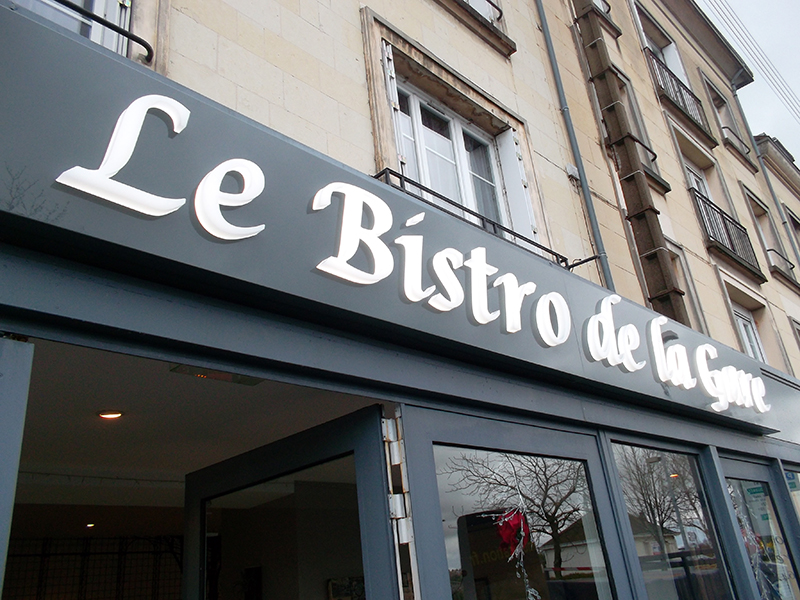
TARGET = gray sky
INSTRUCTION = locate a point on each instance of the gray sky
(774, 26)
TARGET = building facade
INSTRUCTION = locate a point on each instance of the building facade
(443, 298)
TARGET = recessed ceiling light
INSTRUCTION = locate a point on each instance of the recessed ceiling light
(202, 373)
(90, 525)
(109, 414)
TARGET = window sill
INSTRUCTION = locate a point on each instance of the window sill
(735, 260)
(481, 26)
(733, 146)
(605, 19)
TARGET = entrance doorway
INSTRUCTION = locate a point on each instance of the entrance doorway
(99, 508)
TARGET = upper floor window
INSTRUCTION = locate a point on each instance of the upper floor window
(117, 12)
(662, 46)
(748, 332)
(768, 236)
(441, 151)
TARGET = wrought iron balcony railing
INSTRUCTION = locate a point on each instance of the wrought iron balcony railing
(671, 86)
(725, 232)
(419, 191)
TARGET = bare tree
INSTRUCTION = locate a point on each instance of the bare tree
(549, 491)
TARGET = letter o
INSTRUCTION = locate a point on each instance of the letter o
(544, 321)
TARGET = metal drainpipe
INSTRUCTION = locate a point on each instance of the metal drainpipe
(576, 152)
(763, 167)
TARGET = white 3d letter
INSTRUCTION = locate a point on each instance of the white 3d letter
(479, 271)
(98, 182)
(412, 268)
(209, 198)
(444, 262)
(352, 234)
(544, 322)
(513, 295)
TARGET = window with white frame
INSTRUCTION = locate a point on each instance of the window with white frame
(768, 235)
(441, 151)
(748, 332)
(662, 47)
(116, 11)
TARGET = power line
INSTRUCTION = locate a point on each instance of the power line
(756, 54)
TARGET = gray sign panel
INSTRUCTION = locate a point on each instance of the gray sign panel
(320, 237)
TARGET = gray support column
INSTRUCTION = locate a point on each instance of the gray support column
(16, 359)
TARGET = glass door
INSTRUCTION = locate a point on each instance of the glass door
(760, 500)
(508, 511)
(305, 517)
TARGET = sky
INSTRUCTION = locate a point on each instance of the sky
(774, 26)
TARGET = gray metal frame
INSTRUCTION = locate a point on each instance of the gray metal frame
(770, 471)
(423, 428)
(359, 434)
(16, 360)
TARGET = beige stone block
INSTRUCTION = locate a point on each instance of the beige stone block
(358, 156)
(310, 104)
(266, 13)
(340, 29)
(349, 63)
(191, 39)
(202, 80)
(344, 90)
(293, 5)
(291, 59)
(214, 14)
(298, 129)
(252, 105)
(250, 35)
(309, 11)
(355, 127)
(250, 71)
(301, 33)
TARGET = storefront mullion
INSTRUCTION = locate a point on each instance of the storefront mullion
(16, 359)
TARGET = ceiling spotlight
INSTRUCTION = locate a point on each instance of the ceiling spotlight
(90, 525)
(109, 414)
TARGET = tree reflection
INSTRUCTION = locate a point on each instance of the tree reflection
(550, 492)
(660, 490)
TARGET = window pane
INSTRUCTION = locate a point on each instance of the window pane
(518, 527)
(793, 479)
(480, 167)
(297, 536)
(439, 154)
(671, 525)
(763, 539)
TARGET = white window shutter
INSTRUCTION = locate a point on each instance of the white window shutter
(516, 184)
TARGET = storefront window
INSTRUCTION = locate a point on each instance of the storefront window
(519, 527)
(793, 480)
(763, 539)
(297, 536)
(671, 525)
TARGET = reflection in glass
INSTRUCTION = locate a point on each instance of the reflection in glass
(671, 525)
(293, 537)
(518, 527)
(793, 481)
(763, 540)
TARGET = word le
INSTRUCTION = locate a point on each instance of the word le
(207, 199)
(728, 386)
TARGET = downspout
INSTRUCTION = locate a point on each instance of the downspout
(576, 152)
(763, 167)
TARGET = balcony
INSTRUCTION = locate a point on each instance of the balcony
(679, 94)
(726, 235)
(429, 196)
